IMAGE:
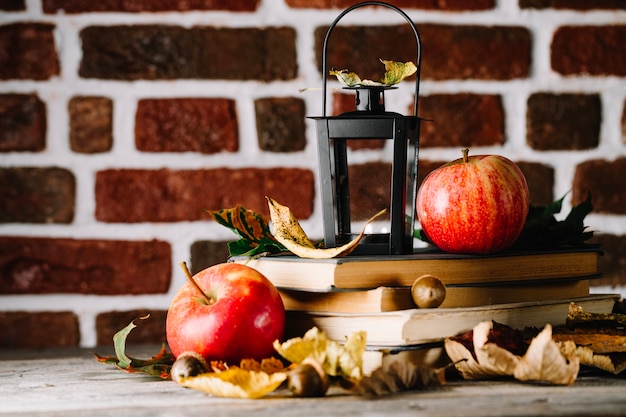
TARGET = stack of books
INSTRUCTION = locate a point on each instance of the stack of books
(373, 293)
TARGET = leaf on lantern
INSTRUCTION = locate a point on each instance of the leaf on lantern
(400, 376)
(340, 360)
(158, 365)
(236, 383)
(544, 362)
(396, 71)
(541, 362)
(252, 229)
(288, 232)
(347, 78)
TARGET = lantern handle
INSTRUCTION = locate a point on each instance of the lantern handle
(372, 3)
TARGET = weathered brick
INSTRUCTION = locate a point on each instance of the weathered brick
(187, 125)
(563, 121)
(612, 264)
(171, 52)
(12, 5)
(605, 181)
(280, 124)
(27, 52)
(572, 4)
(28, 330)
(343, 103)
(454, 52)
(128, 195)
(107, 267)
(593, 50)
(206, 253)
(138, 6)
(150, 330)
(91, 124)
(22, 123)
(540, 179)
(36, 195)
(265, 54)
(403, 4)
(461, 120)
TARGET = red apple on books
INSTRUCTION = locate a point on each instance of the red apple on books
(237, 316)
(475, 204)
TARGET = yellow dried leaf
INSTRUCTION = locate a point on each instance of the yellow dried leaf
(397, 71)
(343, 360)
(287, 230)
(349, 79)
(543, 362)
(236, 383)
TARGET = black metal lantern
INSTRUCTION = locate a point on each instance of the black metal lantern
(369, 121)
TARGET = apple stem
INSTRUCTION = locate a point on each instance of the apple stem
(193, 282)
(465, 155)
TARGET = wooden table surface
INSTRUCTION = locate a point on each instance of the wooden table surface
(73, 383)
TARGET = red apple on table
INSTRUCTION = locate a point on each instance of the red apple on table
(475, 204)
(239, 317)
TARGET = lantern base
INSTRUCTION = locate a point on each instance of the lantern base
(370, 244)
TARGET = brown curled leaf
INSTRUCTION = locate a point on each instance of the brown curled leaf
(288, 232)
(544, 362)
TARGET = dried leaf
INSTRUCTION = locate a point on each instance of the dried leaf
(597, 339)
(487, 359)
(236, 383)
(158, 365)
(577, 317)
(347, 78)
(252, 229)
(614, 363)
(338, 360)
(544, 362)
(395, 73)
(541, 362)
(401, 376)
(287, 231)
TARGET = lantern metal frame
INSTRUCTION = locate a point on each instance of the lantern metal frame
(369, 121)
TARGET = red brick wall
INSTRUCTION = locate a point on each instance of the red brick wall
(118, 129)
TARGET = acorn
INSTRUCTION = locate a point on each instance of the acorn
(188, 364)
(428, 291)
(308, 379)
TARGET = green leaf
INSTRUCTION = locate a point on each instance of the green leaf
(543, 230)
(158, 365)
(251, 227)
